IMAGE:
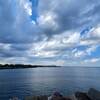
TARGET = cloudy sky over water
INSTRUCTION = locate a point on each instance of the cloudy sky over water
(61, 32)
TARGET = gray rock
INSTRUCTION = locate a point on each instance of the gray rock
(94, 94)
(36, 98)
(81, 96)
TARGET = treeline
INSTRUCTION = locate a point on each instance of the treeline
(18, 66)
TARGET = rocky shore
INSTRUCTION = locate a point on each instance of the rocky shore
(92, 94)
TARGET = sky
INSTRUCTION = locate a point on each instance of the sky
(50, 32)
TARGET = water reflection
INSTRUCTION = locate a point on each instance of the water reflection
(22, 82)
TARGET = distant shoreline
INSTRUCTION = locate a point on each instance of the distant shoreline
(22, 66)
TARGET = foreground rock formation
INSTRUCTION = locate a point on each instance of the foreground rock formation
(92, 94)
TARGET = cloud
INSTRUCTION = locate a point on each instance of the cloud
(57, 46)
(69, 14)
(49, 31)
(81, 53)
(96, 32)
(17, 31)
(93, 60)
(16, 24)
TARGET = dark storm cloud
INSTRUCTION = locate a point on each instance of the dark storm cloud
(71, 14)
(17, 32)
(13, 50)
(15, 24)
(13, 53)
(20, 47)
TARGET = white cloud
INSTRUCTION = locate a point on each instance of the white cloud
(89, 42)
(80, 54)
(44, 54)
(96, 32)
(91, 49)
(73, 38)
(93, 60)
(28, 7)
(47, 21)
(4, 46)
(55, 46)
(87, 52)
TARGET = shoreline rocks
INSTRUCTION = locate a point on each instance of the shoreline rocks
(92, 94)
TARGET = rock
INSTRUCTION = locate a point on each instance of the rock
(58, 96)
(14, 98)
(72, 97)
(67, 98)
(81, 96)
(94, 94)
(36, 98)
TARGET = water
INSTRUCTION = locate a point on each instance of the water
(38, 81)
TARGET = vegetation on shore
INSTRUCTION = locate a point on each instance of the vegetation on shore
(19, 66)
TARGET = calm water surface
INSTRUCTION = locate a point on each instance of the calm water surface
(36, 81)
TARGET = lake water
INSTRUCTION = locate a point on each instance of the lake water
(38, 81)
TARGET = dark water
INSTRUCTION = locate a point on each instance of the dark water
(36, 81)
